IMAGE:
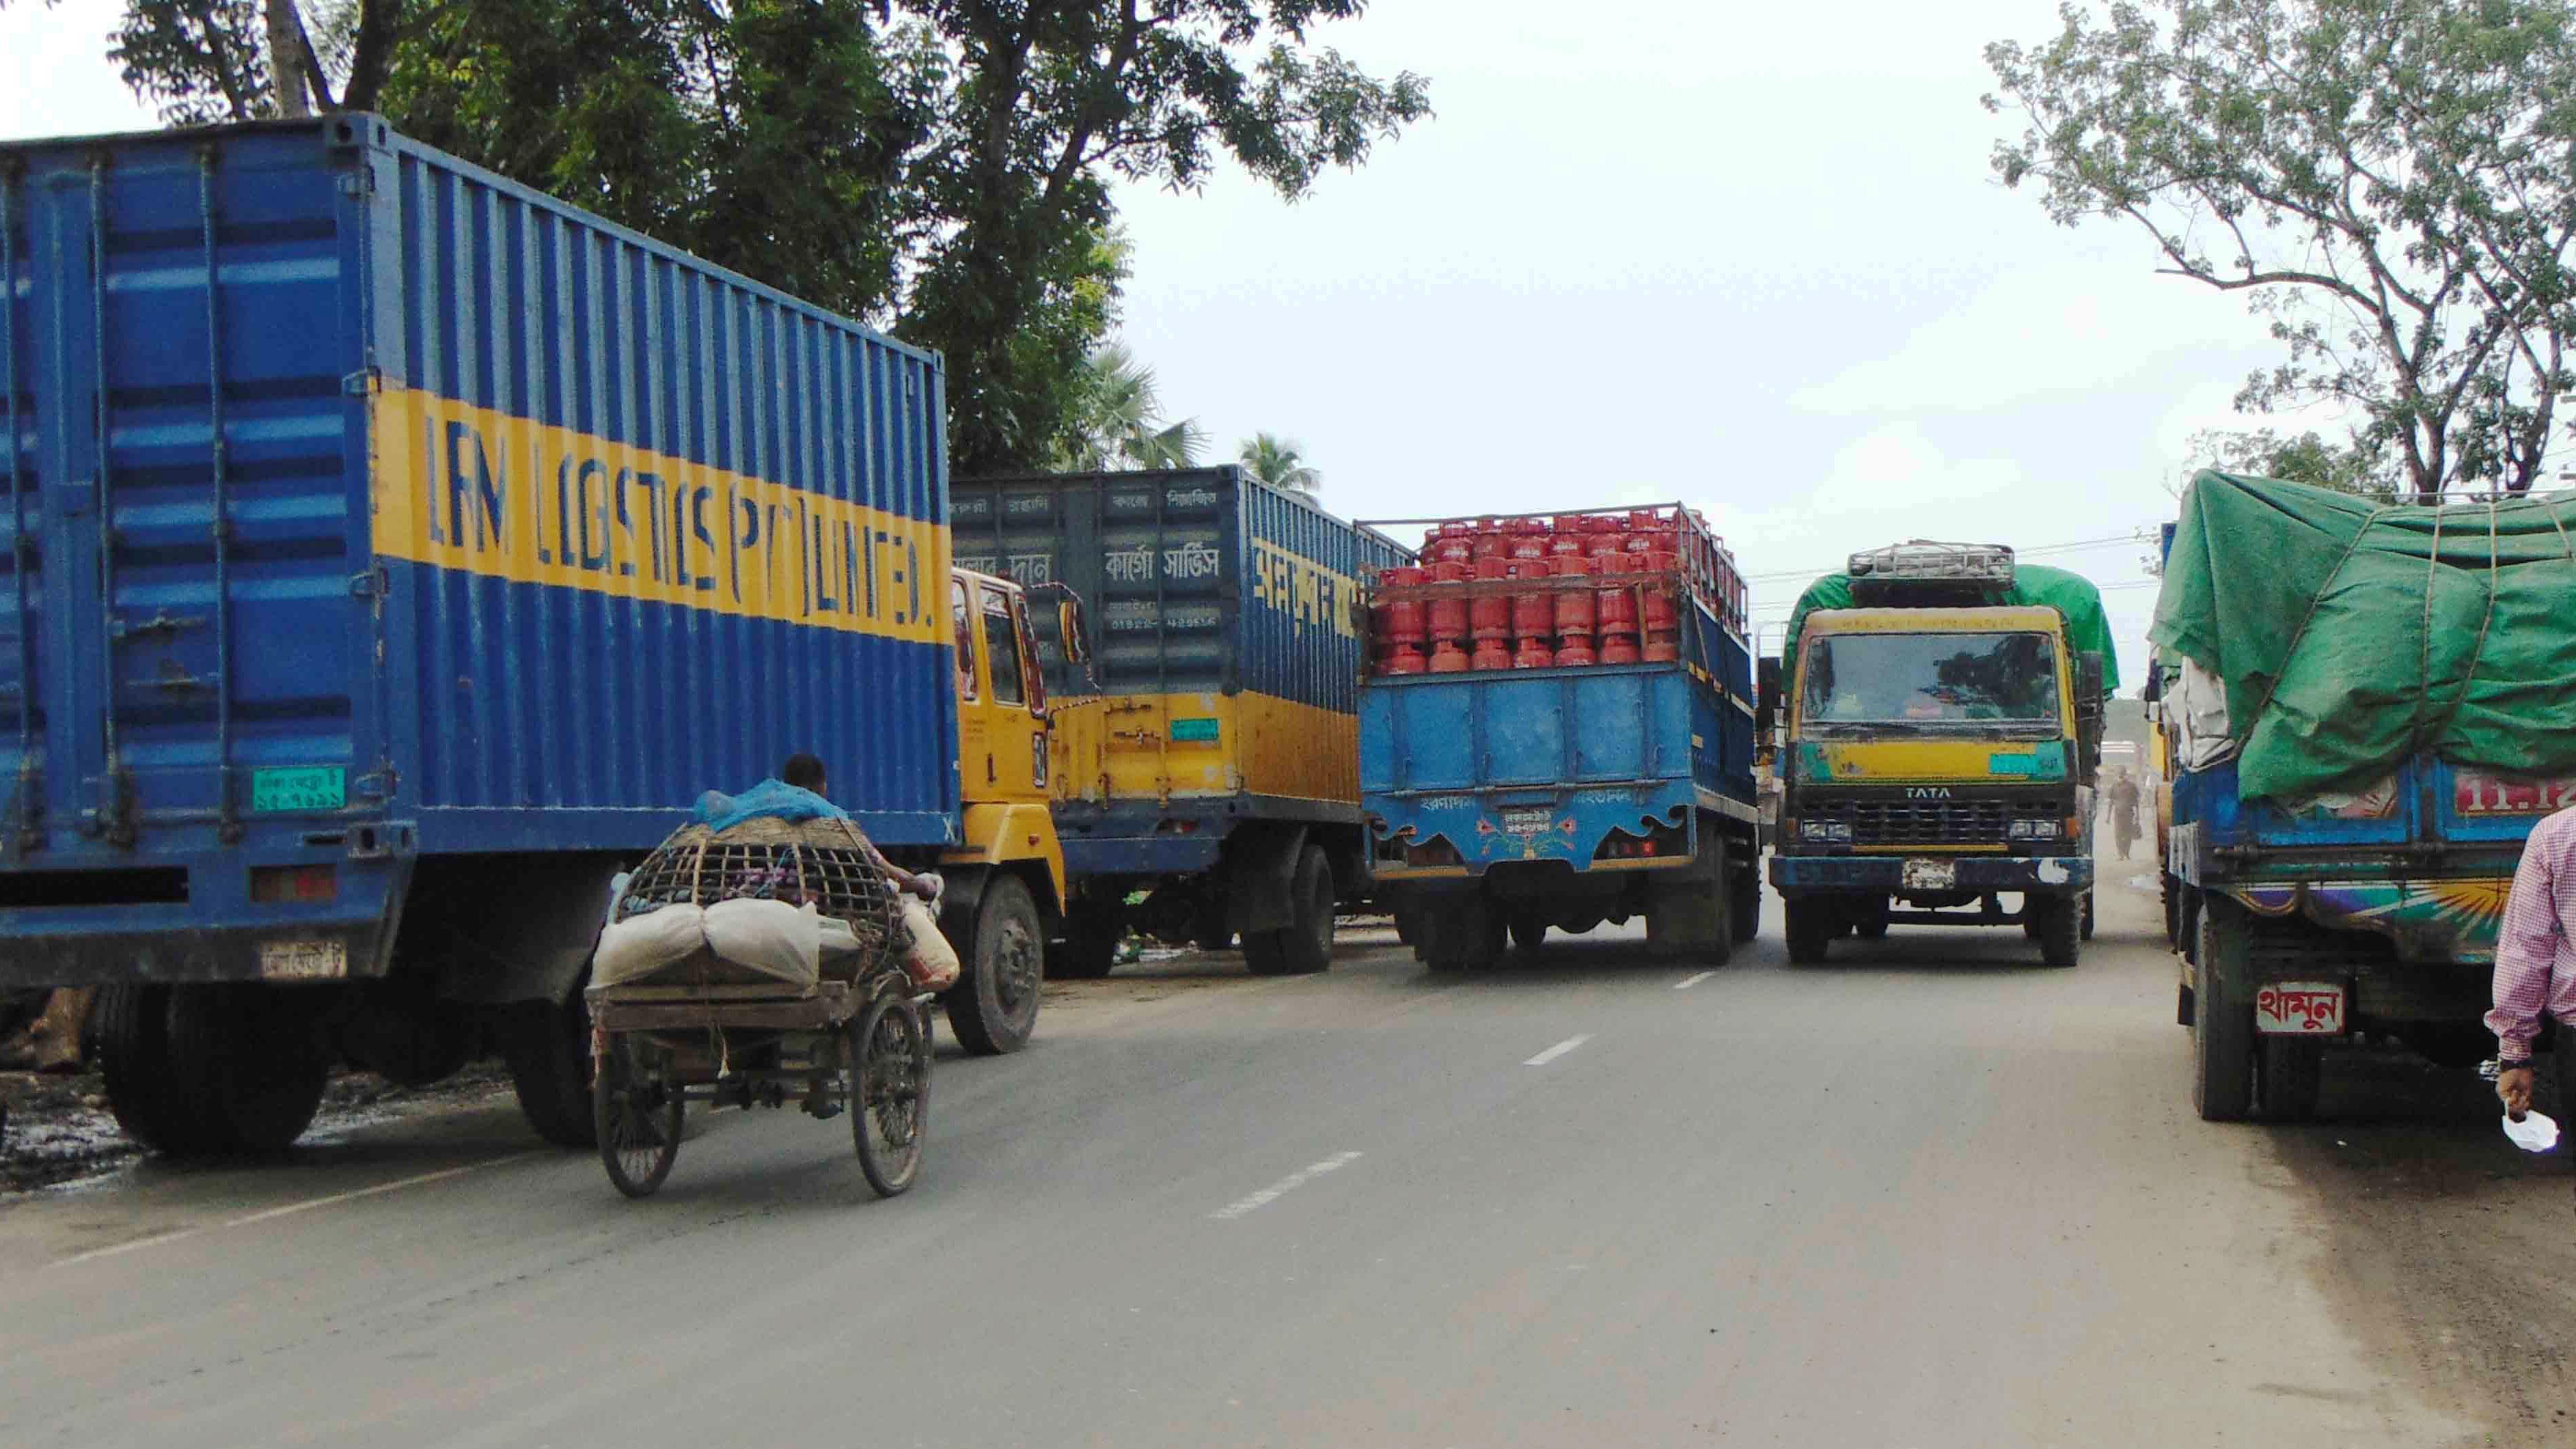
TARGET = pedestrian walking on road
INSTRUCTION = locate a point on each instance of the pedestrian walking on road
(2124, 812)
(2535, 964)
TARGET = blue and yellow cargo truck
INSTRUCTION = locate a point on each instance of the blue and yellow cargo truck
(396, 552)
(1583, 782)
(1942, 719)
(1206, 753)
(2367, 710)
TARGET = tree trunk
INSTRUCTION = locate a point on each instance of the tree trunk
(286, 59)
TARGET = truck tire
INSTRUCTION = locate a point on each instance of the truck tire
(133, 1024)
(547, 1047)
(1870, 923)
(2222, 1028)
(2286, 1077)
(1462, 934)
(2087, 931)
(1812, 924)
(2061, 931)
(1529, 930)
(1744, 908)
(1305, 945)
(1089, 950)
(250, 1063)
(994, 1006)
(2171, 899)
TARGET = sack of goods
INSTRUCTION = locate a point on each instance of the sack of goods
(768, 902)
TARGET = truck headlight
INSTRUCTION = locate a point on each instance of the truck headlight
(2033, 830)
(1824, 830)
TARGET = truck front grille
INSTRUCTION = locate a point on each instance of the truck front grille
(1924, 822)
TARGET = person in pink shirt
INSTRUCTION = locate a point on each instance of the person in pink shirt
(2535, 964)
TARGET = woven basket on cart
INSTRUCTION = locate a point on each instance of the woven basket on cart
(816, 862)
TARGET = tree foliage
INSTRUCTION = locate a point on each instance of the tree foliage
(2392, 183)
(940, 167)
(1119, 422)
(1280, 463)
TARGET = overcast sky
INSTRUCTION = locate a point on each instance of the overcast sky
(1750, 257)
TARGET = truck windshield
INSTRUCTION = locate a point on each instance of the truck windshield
(1929, 678)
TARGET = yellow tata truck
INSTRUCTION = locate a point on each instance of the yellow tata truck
(1940, 722)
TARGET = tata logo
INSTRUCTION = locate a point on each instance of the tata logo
(1927, 792)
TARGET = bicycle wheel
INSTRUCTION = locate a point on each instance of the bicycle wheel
(636, 1110)
(889, 1092)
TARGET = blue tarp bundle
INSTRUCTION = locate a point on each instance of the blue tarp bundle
(773, 798)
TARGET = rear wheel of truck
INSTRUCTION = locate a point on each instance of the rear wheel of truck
(547, 1046)
(2222, 1029)
(133, 1025)
(1744, 906)
(1812, 924)
(2061, 930)
(1529, 930)
(1461, 934)
(994, 1006)
(249, 1063)
(2087, 931)
(2287, 1072)
(1089, 950)
(1305, 945)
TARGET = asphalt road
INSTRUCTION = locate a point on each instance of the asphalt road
(1930, 1193)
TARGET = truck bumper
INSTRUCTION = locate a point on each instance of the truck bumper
(1884, 875)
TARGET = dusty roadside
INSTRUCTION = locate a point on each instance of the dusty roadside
(59, 1129)
(2450, 1252)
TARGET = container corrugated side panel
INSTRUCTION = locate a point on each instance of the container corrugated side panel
(1301, 646)
(1154, 556)
(651, 527)
(156, 284)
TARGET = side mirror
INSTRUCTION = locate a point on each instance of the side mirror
(1766, 696)
(2088, 684)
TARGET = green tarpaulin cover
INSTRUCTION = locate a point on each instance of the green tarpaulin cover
(2351, 634)
(2072, 595)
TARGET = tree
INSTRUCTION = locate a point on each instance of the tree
(2391, 182)
(1279, 463)
(1046, 102)
(942, 167)
(2307, 458)
(1119, 422)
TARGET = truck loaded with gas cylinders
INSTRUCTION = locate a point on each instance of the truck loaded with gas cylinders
(1942, 719)
(1557, 730)
(1205, 750)
(397, 553)
(2367, 707)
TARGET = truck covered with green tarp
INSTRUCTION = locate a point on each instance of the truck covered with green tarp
(2070, 594)
(2368, 706)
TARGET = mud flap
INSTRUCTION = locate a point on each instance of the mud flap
(1260, 871)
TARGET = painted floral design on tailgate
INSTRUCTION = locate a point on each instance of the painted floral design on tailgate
(2454, 920)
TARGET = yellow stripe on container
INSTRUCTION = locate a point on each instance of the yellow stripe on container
(486, 492)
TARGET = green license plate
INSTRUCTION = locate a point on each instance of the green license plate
(322, 788)
(1194, 732)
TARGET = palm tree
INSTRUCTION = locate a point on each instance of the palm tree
(1278, 462)
(1120, 424)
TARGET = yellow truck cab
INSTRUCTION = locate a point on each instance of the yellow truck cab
(1939, 749)
(1006, 889)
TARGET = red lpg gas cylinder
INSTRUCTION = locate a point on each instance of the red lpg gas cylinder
(1448, 619)
(1663, 625)
(1575, 612)
(1404, 626)
(1617, 618)
(1533, 618)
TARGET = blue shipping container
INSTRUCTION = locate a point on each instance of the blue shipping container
(369, 510)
